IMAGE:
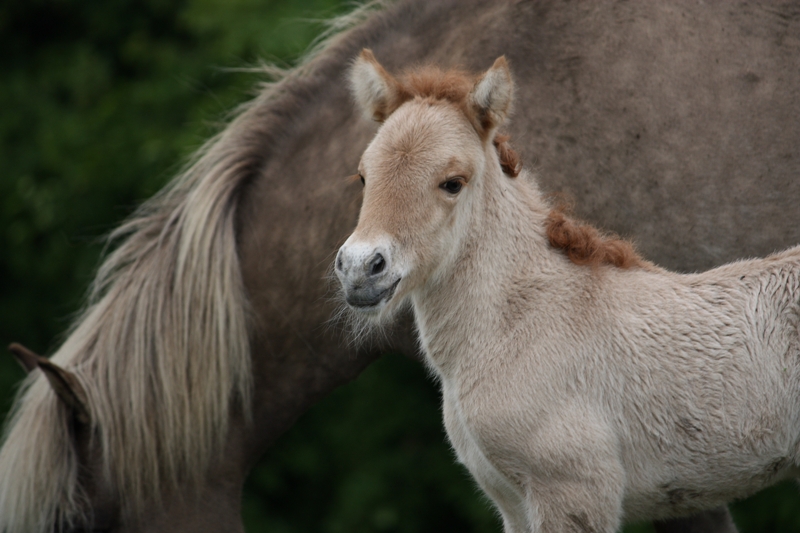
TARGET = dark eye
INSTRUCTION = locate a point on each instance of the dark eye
(362, 179)
(453, 186)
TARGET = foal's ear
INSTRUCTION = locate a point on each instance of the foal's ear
(63, 382)
(376, 92)
(491, 97)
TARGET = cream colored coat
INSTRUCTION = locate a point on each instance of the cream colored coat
(578, 397)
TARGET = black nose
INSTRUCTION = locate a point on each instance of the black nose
(377, 265)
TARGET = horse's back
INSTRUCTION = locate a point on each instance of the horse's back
(675, 124)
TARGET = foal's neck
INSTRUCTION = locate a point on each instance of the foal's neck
(461, 310)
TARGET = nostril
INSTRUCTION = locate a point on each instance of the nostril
(377, 265)
(339, 261)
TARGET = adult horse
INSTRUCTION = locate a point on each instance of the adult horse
(674, 124)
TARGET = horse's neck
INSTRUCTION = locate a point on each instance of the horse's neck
(458, 312)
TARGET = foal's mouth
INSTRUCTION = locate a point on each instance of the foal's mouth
(371, 301)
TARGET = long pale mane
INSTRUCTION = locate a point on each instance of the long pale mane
(162, 346)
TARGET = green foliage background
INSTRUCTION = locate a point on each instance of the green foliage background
(100, 103)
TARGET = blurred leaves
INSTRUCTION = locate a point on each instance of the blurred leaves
(101, 103)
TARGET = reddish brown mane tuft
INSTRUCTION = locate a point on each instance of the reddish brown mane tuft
(584, 245)
(509, 159)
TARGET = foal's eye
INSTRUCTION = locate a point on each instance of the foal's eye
(453, 186)
(362, 179)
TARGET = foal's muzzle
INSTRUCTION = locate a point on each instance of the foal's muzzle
(366, 275)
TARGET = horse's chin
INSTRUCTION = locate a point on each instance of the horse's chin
(370, 325)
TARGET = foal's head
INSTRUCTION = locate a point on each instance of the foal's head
(421, 174)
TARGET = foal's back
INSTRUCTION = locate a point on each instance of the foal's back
(704, 373)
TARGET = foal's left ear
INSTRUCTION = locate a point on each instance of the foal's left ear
(491, 97)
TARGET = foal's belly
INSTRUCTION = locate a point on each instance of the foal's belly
(682, 497)
(680, 481)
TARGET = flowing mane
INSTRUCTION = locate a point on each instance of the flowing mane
(162, 346)
(161, 349)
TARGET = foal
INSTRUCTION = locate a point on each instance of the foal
(582, 386)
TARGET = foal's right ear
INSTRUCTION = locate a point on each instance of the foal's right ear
(63, 382)
(376, 92)
(491, 97)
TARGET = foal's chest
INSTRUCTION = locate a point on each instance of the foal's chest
(482, 436)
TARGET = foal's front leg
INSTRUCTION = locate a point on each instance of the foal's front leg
(577, 482)
(508, 500)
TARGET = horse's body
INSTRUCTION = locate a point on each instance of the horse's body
(581, 387)
(675, 124)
